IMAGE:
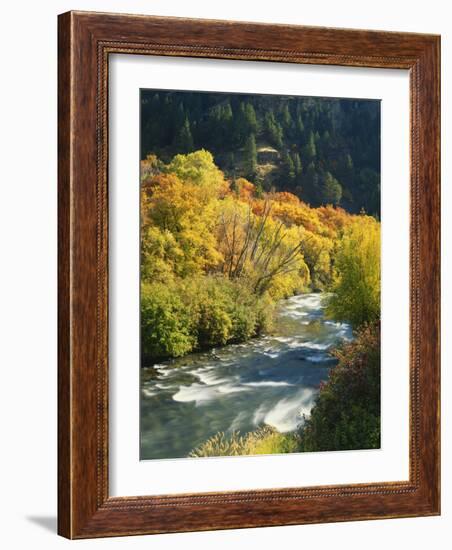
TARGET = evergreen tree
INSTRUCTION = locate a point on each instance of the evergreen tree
(179, 115)
(310, 182)
(250, 117)
(227, 112)
(288, 169)
(286, 117)
(297, 164)
(300, 125)
(232, 166)
(184, 139)
(345, 173)
(330, 189)
(367, 191)
(227, 124)
(273, 130)
(250, 160)
(309, 149)
(241, 125)
(338, 136)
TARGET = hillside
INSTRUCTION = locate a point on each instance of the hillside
(325, 151)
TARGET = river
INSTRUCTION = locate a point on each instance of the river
(269, 380)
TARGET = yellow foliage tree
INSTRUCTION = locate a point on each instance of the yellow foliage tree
(199, 169)
(181, 209)
(220, 259)
(356, 297)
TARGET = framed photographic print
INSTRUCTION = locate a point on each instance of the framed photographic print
(248, 275)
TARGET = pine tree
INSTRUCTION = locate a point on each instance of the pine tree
(184, 139)
(227, 112)
(250, 161)
(330, 189)
(297, 164)
(250, 117)
(310, 184)
(231, 164)
(244, 123)
(286, 117)
(179, 115)
(309, 149)
(339, 136)
(300, 125)
(288, 169)
(273, 130)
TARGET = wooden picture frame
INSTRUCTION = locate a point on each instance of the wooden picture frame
(86, 40)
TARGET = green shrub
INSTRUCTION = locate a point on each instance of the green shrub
(180, 316)
(264, 309)
(346, 414)
(167, 325)
(215, 324)
(244, 322)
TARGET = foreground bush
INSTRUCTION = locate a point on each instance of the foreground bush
(167, 322)
(346, 415)
(264, 440)
(181, 316)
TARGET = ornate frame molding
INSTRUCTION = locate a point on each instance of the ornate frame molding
(85, 42)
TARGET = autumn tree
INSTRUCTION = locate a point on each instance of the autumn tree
(179, 228)
(198, 168)
(356, 297)
(260, 249)
(339, 136)
(217, 254)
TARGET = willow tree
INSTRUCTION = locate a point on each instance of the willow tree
(261, 249)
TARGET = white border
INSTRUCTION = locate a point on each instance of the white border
(129, 475)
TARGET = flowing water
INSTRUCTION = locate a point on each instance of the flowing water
(270, 380)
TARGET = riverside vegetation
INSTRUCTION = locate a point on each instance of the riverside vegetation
(219, 251)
